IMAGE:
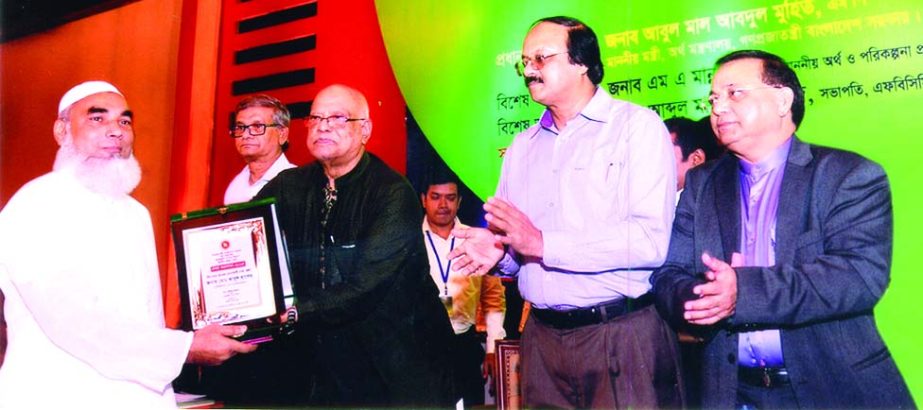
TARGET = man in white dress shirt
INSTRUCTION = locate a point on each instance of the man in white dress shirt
(260, 133)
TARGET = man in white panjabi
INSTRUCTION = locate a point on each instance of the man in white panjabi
(79, 270)
(260, 133)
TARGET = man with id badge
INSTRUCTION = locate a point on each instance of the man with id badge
(461, 294)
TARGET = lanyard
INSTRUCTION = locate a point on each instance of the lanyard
(444, 273)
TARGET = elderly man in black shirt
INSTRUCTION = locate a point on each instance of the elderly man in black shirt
(366, 308)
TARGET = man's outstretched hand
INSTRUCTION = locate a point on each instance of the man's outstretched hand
(478, 253)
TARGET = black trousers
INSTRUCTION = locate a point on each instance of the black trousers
(277, 374)
(467, 358)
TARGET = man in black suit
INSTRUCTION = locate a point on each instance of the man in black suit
(779, 254)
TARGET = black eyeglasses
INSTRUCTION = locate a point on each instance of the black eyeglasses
(256, 130)
(335, 120)
(538, 61)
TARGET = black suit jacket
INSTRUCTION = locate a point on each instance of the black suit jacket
(833, 259)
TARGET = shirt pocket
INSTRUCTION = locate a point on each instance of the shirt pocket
(598, 166)
(343, 265)
(590, 194)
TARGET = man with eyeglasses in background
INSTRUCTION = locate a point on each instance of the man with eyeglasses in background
(367, 313)
(582, 213)
(260, 133)
(266, 377)
(779, 254)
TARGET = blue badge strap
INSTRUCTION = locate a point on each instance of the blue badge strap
(444, 273)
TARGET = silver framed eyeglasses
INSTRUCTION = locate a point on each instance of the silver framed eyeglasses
(335, 120)
(538, 61)
(255, 130)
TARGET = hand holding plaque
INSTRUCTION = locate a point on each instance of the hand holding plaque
(232, 268)
(211, 345)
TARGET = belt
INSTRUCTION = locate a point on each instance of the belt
(767, 377)
(601, 313)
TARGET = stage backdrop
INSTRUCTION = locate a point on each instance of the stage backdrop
(860, 61)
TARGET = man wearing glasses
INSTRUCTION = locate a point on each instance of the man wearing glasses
(582, 214)
(260, 133)
(368, 315)
(779, 254)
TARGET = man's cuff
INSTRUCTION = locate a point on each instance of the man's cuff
(495, 330)
(555, 248)
(507, 267)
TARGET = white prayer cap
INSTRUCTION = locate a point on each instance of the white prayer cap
(84, 90)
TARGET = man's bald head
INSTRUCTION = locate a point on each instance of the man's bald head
(338, 128)
(359, 106)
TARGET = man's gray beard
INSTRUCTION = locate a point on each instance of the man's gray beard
(110, 176)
